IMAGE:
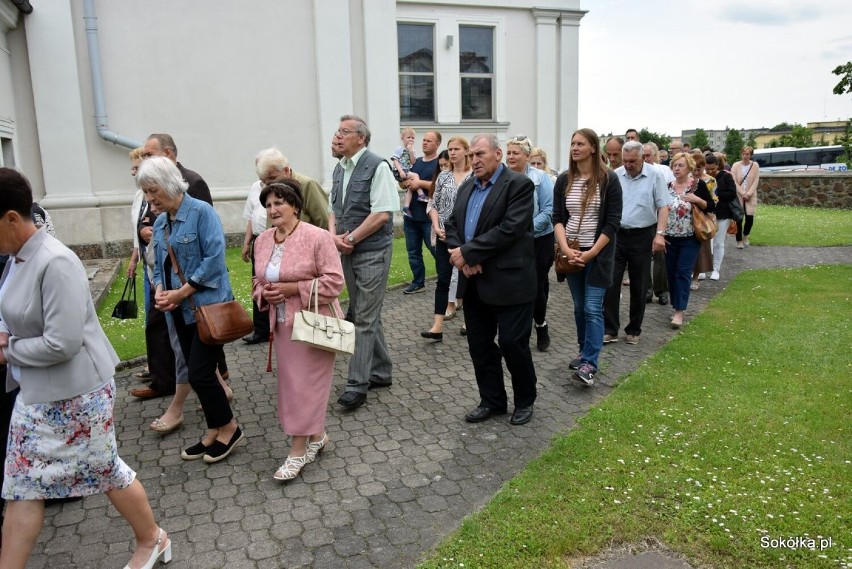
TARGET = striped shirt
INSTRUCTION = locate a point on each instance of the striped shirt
(583, 229)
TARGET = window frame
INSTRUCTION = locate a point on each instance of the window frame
(434, 74)
(490, 76)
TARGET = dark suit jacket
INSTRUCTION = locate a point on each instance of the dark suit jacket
(502, 242)
(197, 186)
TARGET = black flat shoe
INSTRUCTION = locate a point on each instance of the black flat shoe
(522, 415)
(437, 336)
(220, 451)
(352, 400)
(194, 452)
(255, 339)
(463, 331)
(482, 413)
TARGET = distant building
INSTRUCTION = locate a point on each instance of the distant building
(229, 78)
(825, 133)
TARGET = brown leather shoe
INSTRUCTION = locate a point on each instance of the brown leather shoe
(146, 393)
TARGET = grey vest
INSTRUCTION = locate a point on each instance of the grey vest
(350, 212)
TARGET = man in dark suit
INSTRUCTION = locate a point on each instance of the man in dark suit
(490, 239)
(164, 145)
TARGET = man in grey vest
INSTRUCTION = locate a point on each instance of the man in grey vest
(361, 205)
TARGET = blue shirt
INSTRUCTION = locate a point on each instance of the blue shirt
(641, 196)
(426, 170)
(543, 203)
(476, 201)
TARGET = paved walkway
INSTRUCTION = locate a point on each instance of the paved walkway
(402, 471)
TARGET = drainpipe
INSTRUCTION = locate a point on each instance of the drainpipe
(23, 6)
(97, 83)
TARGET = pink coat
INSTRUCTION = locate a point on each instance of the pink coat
(309, 253)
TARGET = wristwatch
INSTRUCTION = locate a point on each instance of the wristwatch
(661, 232)
(351, 238)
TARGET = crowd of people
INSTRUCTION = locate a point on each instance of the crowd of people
(495, 219)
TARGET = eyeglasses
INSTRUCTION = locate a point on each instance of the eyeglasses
(344, 132)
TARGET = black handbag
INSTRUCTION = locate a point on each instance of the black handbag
(126, 307)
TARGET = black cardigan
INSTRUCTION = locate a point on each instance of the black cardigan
(609, 220)
(726, 189)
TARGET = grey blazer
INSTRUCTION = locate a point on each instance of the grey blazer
(55, 337)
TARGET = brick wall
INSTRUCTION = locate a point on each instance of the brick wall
(832, 190)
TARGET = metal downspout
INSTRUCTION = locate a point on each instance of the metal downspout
(97, 83)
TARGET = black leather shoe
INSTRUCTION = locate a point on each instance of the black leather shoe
(522, 415)
(352, 399)
(255, 339)
(379, 385)
(482, 413)
(437, 336)
(463, 331)
(663, 300)
(542, 338)
(649, 298)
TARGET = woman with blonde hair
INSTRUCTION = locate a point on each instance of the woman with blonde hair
(746, 175)
(442, 200)
(586, 217)
(538, 159)
(686, 192)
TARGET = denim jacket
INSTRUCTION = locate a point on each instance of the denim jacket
(198, 241)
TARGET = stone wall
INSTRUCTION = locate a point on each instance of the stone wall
(832, 190)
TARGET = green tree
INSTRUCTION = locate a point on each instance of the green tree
(845, 140)
(752, 141)
(845, 74)
(661, 140)
(781, 127)
(733, 144)
(798, 137)
(699, 139)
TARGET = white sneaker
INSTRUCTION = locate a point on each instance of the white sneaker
(714, 276)
(702, 276)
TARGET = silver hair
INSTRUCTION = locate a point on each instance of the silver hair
(653, 146)
(360, 127)
(492, 139)
(161, 172)
(268, 159)
(632, 146)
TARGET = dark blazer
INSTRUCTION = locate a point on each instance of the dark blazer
(197, 186)
(502, 242)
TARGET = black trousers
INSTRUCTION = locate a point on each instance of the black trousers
(161, 357)
(659, 280)
(201, 361)
(633, 252)
(744, 226)
(261, 319)
(544, 251)
(514, 324)
(445, 275)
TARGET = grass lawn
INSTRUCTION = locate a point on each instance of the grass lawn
(735, 432)
(128, 336)
(786, 225)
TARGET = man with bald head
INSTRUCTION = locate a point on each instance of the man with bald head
(164, 145)
(613, 151)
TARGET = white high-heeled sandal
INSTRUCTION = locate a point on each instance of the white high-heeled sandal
(291, 468)
(166, 552)
(316, 447)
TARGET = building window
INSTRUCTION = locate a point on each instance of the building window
(416, 72)
(476, 64)
(7, 153)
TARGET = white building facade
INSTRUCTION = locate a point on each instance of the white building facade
(227, 79)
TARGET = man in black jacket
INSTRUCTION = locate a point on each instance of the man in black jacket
(490, 238)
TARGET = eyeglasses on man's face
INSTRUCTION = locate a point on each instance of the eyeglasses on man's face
(342, 132)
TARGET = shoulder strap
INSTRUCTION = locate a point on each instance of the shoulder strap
(176, 265)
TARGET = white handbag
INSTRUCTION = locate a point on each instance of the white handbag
(329, 333)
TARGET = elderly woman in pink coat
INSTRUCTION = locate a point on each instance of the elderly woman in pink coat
(288, 257)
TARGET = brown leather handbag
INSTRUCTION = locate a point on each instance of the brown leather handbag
(218, 323)
(560, 260)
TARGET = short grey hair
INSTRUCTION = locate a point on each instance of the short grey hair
(166, 142)
(492, 139)
(631, 146)
(268, 159)
(653, 146)
(360, 127)
(161, 172)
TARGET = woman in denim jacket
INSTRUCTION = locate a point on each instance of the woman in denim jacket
(195, 234)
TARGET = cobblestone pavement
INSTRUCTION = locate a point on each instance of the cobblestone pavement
(401, 472)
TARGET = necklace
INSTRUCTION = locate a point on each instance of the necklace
(287, 234)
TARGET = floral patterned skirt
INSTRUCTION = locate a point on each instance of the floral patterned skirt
(64, 448)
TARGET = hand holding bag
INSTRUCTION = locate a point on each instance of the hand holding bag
(328, 333)
(560, 260)
(126, 308)
(217, 323)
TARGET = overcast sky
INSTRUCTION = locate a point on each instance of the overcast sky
(670, 65)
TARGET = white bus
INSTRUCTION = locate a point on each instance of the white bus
(786, 159)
